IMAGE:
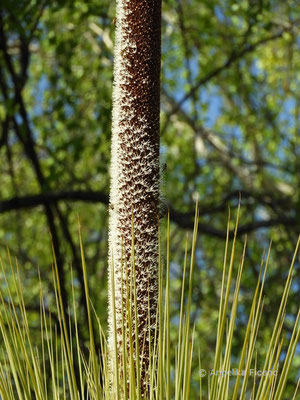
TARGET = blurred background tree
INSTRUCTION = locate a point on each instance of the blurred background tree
(230, 126)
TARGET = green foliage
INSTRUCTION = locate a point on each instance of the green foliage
(237, 65)
(56, 366)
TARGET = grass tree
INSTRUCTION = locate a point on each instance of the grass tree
(134, 191)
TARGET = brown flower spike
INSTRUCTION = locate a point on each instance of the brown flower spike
(135, 177)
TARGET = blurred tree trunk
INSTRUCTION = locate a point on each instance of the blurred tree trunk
(134, 191)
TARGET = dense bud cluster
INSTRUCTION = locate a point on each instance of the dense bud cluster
(134, 191)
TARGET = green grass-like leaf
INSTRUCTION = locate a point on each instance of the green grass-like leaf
(59, 369)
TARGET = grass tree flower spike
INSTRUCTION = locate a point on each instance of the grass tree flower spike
(135, 177)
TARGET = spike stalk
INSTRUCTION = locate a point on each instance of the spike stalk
(135, 177)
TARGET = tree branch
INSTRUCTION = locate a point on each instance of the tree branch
(183, 220)
(234, 56)
(23, 202)
(27, 139)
